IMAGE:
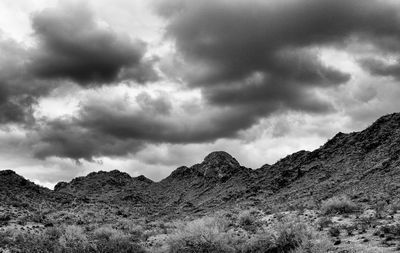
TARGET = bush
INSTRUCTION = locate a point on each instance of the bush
(73, 239)
(213, 235)
(338, 205)
(258, 243)
(393, 229)
(324, 222)
(17, 241)
(107, 233)
(4, 219)
(118, 245)
(202, 235)
(246, 218)
(109, 240)
(295, 236)
(334, 231)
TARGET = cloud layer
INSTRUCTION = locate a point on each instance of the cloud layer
(250, 60)
(238, 75)
(74, 46)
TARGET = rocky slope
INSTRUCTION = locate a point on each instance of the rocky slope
(218, 181)
(106, 186)
(18, 192)
(364, 165)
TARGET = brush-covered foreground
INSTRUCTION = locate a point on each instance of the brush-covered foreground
(338, 225)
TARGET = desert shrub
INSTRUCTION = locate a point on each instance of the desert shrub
(394, 208)
(291, 234)
(73, 239)
(118, 245)
(53, 233)
(364, 223)
(130, 227)
(257, 243)
(334, 231)
(18, 204)
(246, 218)
(70, 239)
(4, 219)
(107, 233)
(379, 208)
(324, 222)
(212, 234)
(350, 229)
(393, 229)
(39, 217)
(109, 240)
(338, 205)
(19, 241)
(202, 235)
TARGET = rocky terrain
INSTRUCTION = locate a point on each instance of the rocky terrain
(363, 166)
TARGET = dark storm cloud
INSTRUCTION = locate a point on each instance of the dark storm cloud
(251, 59)
(381, 68)
(229, 42)
(72, 45)
(19, 89)
(65, 138)
(149, 127)
(104, 128)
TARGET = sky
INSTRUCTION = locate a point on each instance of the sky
(147, 86)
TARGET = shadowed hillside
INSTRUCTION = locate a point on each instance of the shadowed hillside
(308, 201)
(363, 165)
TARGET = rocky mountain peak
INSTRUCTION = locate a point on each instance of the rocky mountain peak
(7, 172)
(181, 172)
(10, 178)
(144, 179)
(391, 119)
(218, 158)
(113, 173)
(218, 164)
(102, 181)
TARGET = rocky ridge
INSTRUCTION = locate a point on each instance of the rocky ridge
(363, 165)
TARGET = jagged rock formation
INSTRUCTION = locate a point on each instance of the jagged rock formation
(364, 165)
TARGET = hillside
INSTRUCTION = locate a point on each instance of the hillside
(106, 186)
(216, 182)
(363, 165)
(19, 192)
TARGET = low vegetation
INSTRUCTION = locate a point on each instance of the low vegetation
(339, 226)
(338, 205)
(220, 233)
(69, 239)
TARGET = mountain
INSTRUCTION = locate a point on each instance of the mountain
(219, 180)
(18, 192)
(363, 165)
(113, 186)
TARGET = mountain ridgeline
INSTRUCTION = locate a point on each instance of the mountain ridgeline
(363, 165)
